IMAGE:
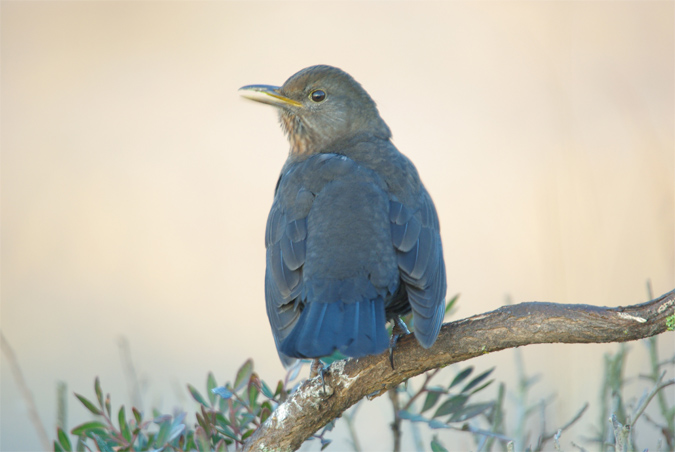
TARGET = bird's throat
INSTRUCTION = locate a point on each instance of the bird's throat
(298, 137)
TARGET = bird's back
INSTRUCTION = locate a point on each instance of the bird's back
(333, 270)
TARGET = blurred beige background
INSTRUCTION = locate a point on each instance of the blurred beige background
(136, 183)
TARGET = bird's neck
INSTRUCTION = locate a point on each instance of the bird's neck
(305, 142)
(361, 147)
(301, 146)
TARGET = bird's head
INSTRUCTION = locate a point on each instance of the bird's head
(320, 106)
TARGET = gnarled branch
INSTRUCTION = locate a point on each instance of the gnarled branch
(348, 381)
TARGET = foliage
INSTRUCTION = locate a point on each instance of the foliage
(229, 414)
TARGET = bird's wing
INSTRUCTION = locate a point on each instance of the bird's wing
(285, 242)
(417, 240)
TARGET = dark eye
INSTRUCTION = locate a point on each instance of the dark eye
(317, 95)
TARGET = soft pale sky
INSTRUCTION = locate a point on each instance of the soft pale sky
(136, 183)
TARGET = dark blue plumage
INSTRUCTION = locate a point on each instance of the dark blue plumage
(354, 329)
(352, 237)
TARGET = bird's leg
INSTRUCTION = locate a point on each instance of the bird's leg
(399, 329)
(317, 368)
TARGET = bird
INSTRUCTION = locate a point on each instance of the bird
(352, 238)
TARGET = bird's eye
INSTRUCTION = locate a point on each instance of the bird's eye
(317, 95)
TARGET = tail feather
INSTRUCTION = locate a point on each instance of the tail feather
(354, 329)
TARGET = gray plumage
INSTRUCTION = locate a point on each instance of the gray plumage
(352, 237)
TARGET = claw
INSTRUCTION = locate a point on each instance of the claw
(399, 329)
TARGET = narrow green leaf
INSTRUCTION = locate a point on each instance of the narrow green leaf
(88, 405)
(107, 405)
(137, 415)
(477, 380)
(223, 405)
(451, 303)
(124, 427)
(451, 405)
(437, 446)
(175, 432)
(210, 384)
(64, 440)
(200, 420)
(202, 440)
(247, 433)
(80, 447)
(221, 446)
(99, 393)
(461, 376)
(470, 411)
(430, 401)
(163, 434)
(178, 428)
(246, 418)
(227, 431)
(483, 386)
(440, 389)
(264, 414)
(161, 419)
(267, 404)
(149, 440)
(243, 375)
(280, 389)
(433, 423)
(209, 420)
(103, 446)
(197, 396)
(179, 418)
(88, 427)
(222, 420)
(267, 392)
(57, 447)
(253, 396)
(403, 414)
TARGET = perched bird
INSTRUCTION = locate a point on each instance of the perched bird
(352, 237)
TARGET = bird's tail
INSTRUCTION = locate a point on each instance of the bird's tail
(354, 329)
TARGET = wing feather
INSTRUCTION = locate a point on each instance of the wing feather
(286, 250)
(416, 237)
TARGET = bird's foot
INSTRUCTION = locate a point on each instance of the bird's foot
(318, 368)
(399, 329)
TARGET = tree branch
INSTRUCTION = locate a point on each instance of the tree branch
(348, 381)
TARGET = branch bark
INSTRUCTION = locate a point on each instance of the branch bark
(348, 381)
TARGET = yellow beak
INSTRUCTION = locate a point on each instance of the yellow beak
(267, 94)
